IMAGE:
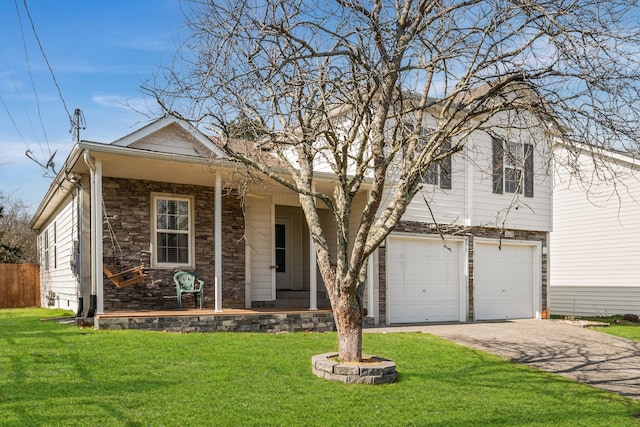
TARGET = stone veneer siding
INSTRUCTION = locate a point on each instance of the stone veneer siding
(128, 206)
(470, 233)
(317, 321)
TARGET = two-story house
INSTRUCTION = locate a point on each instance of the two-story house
(166, 197)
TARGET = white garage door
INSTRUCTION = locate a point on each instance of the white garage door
(423, 280)
(504, 281)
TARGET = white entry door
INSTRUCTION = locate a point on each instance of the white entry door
(424, 280)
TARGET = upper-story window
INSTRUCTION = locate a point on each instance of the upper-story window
(172, 231)
(512, 167)
(438, 173)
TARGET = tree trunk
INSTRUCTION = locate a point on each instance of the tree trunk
(347, 312)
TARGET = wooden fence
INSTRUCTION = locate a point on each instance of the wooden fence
(19, 285)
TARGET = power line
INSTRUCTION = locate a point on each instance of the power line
(50, 163)
(14, 122)
(33, 86)
(35, 33)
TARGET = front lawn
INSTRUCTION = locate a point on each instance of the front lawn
(619, 327)
(57, 374)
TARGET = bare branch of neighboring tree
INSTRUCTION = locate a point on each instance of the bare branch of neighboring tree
(17, 240)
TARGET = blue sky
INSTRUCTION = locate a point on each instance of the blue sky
(100, 53)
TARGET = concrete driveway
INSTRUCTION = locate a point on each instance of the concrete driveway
(593, 358)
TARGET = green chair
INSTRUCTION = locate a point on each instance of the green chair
(188, 282)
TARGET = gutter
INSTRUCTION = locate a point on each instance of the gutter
(55, 185)
(97, 147)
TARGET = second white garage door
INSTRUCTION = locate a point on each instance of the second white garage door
(505, 281)
(424, 280)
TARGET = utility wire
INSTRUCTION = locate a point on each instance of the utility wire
(14, 122)
(46, 60)
(15, 85)
(33, 86)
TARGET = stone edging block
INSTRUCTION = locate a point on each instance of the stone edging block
(325, 365)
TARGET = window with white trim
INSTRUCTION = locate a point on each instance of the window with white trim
(172, 231)
(45, 248)
(438, 173)
(512, 167)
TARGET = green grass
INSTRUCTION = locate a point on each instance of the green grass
(57, 374)
(618, 326)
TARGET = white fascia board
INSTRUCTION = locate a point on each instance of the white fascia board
(164, 122)
(599, 151)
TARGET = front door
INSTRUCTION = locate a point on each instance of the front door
(283, 253)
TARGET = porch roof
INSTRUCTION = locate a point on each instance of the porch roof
(140, 164)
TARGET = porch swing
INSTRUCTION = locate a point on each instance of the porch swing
(120, 277)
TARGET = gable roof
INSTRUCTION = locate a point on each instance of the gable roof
(165, 122)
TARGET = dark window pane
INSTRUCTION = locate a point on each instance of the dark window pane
(162, 222)
(172, 240)
(172, 207)
(280, 236)
(183, 208)
(498, 161)
(432, 174)
(183, 256)
(512, 179)
(161, 206)
(280, 261)
(173, 248)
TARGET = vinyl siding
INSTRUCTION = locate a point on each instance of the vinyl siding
(471, 200)
(594, 300)
(171, 139)
(59, 277)
(448, 206)
(596, 228)
(513, 211)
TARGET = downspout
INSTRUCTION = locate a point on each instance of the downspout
(78, 250)
(93, 298)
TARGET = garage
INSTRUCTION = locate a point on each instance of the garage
(425, 280)
(506, 280)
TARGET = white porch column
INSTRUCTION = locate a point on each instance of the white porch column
(370, 282)
(313, 276)
(247, 256)
(97, 233)
(218, 243)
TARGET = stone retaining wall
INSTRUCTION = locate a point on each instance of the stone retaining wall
(278, 322)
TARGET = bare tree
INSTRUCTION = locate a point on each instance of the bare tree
(17, 240)
(337, 82)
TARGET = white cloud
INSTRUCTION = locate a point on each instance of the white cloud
(127, 103)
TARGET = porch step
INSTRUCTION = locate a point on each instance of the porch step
(298, 299)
